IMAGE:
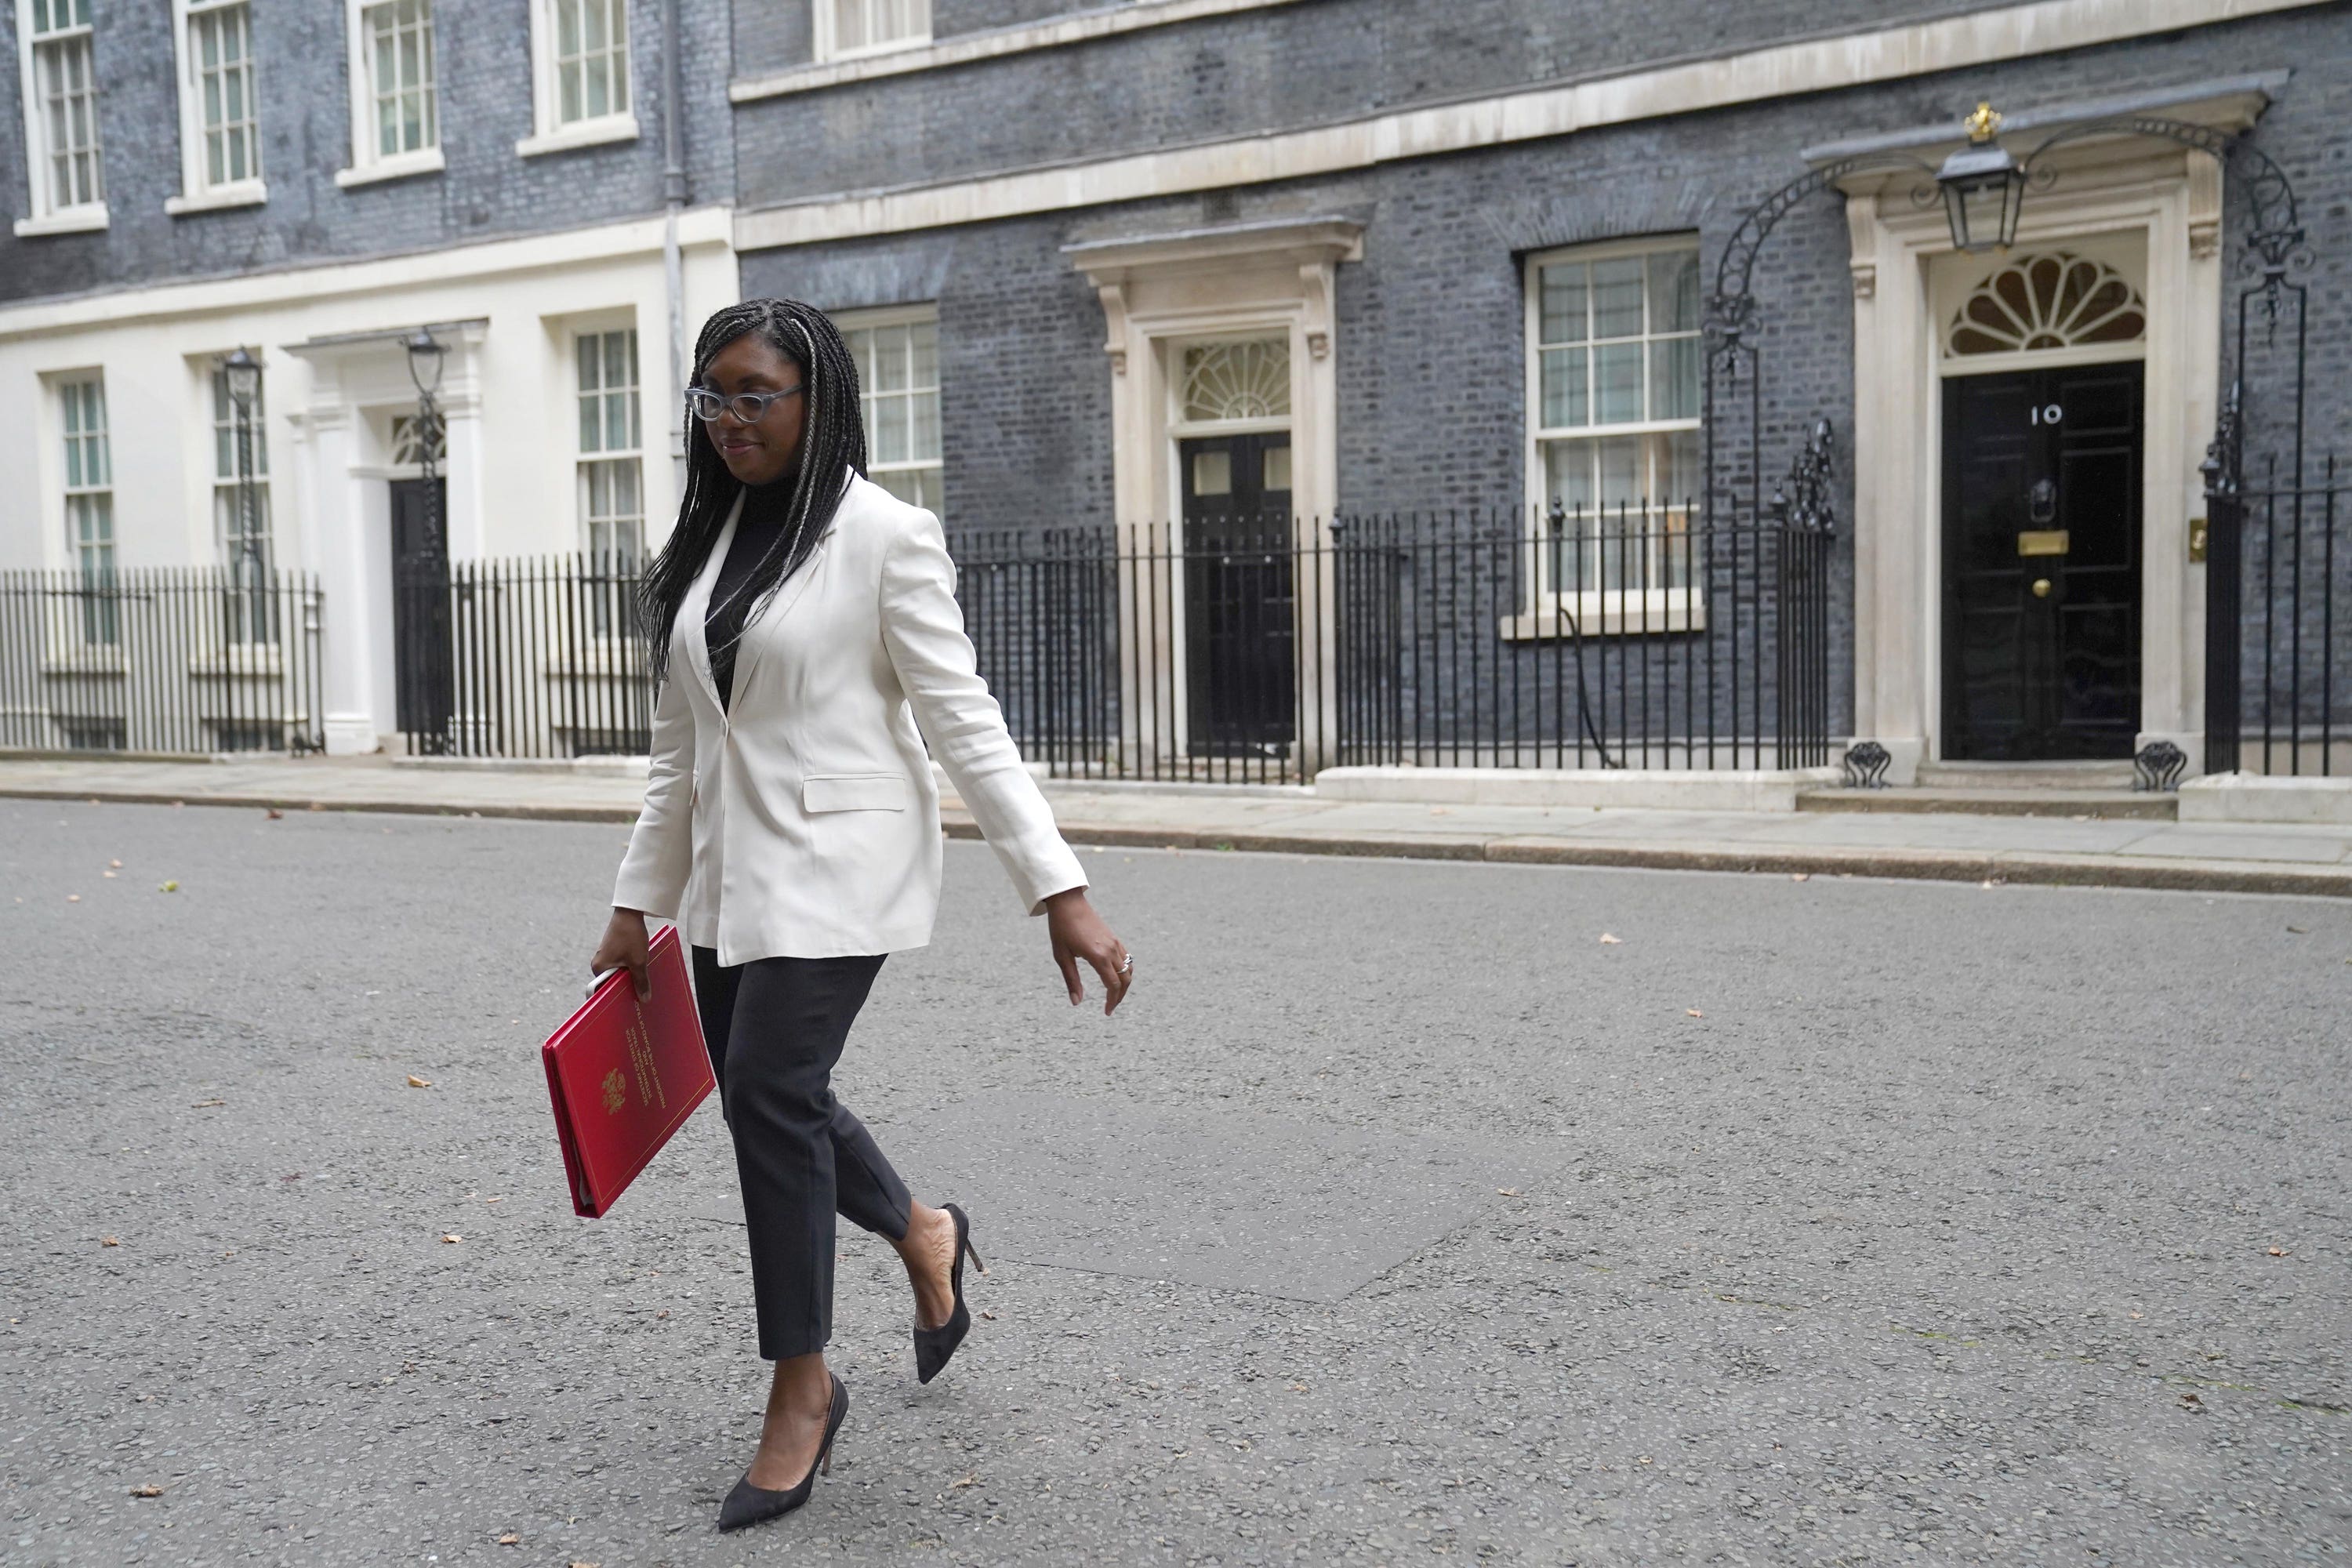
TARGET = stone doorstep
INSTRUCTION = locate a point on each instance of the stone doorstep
(1649, 789)
(2253, 797)
(2152, 806)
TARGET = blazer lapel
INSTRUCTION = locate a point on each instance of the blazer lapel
(747, 652)
(696, 604)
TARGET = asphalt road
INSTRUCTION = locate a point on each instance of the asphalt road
(1400, 1216)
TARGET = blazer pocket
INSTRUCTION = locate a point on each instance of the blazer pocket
(855, 791)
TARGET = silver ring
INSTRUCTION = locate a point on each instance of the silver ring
(1127, 963)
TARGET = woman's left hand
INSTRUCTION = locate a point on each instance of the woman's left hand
(1079, 933)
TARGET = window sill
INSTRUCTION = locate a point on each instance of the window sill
(1659, 613)
(73, 220)
(244, 193)
(1097, 22)
(873, 51)
(585, 133)
(399, 166)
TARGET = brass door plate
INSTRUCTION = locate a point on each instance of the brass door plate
(2044, 542)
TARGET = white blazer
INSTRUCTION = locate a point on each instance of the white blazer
(813, 830)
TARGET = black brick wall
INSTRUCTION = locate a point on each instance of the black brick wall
(1430, 340)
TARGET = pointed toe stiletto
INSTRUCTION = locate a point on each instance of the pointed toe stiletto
(933, 1346)
(748, 1504)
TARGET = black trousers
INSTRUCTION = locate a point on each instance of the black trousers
(775, 1026)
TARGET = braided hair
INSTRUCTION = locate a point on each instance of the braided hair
(832, 447)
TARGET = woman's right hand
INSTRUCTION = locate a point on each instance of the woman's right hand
(623, 947)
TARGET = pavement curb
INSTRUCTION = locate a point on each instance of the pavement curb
(1909, 865)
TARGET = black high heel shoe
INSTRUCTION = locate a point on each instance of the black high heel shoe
(933, 1346)
(748, 1504)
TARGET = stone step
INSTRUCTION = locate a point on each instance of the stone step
(2144, 805)
(2100, 776)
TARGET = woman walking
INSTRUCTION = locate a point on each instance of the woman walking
(805, 643)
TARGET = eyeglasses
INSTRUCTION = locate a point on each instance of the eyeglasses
(748, 407)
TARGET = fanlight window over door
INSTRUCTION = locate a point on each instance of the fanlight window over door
(2050, 301)
(1232, 381)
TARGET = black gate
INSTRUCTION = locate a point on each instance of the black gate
(424, 665)
(2278, 584)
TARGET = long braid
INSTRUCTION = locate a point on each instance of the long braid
(832, 447)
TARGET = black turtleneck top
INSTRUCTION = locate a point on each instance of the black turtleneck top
(756, 528)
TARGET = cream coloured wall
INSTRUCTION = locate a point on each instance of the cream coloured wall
(334, 373)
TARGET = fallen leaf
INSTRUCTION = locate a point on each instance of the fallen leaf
(416, 1082)
(967, 1480)
(149, 1490)
(116, 863)
(73, 898)
(1298, 1388)
(1508, 1192)
(1693, 1011)
(167, 887)
(453, 1236)
(274, 813)
(2136, 1317)
(2279, 1252)
(1800, 876)
(509, 1538)
(202, 1104)
(2192, 1402)
(108, 1241)
(1607, 940)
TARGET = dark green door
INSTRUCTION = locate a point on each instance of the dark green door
(2041, 564)
(1240, 648)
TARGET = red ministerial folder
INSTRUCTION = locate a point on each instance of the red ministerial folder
(625, 1075)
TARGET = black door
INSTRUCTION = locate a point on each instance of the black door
(423, 672)
(1239, 665)
(2041, 564)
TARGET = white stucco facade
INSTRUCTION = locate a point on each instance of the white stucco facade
(335, 377)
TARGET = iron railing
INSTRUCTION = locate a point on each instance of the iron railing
(1257, 651)
(168, 659)
(2283, 551)
(1638, 636)
(522, 657)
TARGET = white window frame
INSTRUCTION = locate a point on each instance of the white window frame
(630, 455)
(368, 164)
(198, 191)
(96, 450)
(1653, 607)
(250, 603)
(48, 215)
(825, 19)
(855, 321)
(550, 134)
